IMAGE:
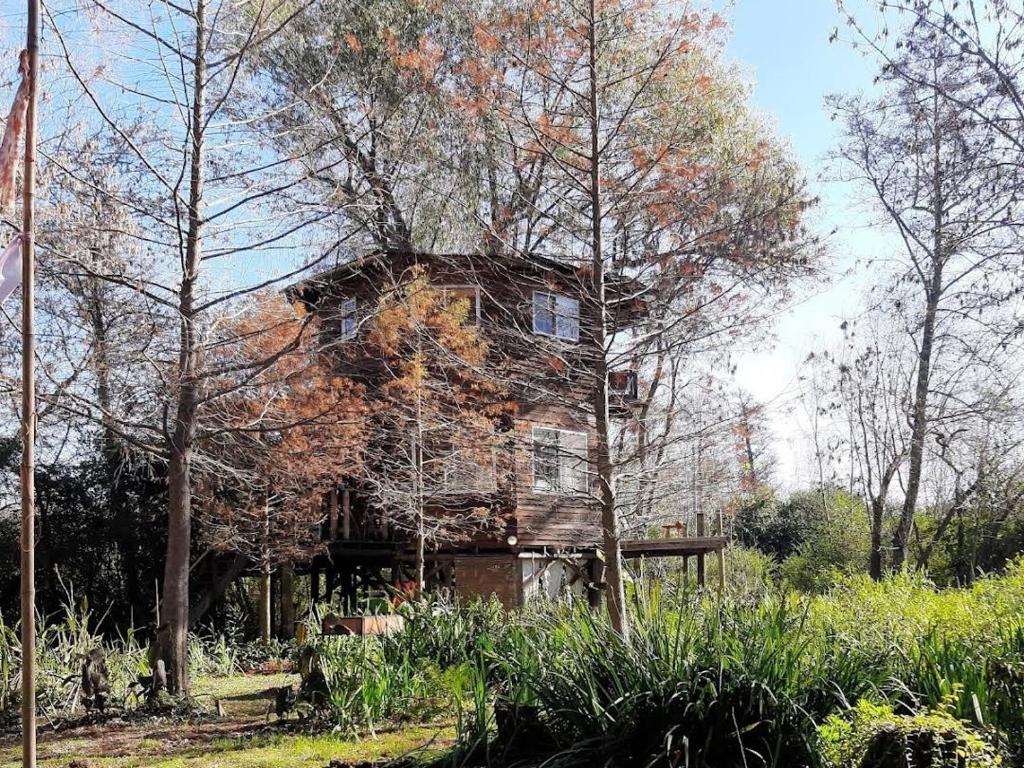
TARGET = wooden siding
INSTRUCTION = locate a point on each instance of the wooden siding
(548, 378)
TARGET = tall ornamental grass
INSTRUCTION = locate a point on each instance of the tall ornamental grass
(748, 682)
(63, 639)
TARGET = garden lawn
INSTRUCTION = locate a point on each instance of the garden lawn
(240, 739)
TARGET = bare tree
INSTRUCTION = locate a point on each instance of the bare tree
(940, 181)
(644, 201)
(197, 192)
(873, 389)
(986, 36)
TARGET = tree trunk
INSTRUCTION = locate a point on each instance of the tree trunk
(219, 585)
(265, 614)
(919, 419)
(421, 534)
(174, 602)
(615, 587)
(179, 529)
(287, 601)
(876, 565)
(918, 432)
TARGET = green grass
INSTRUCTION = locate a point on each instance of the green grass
(271, 751)
(213, 744)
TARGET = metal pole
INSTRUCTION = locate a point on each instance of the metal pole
(28, 407)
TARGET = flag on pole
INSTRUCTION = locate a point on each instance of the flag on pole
(12, 138)
(10, 269)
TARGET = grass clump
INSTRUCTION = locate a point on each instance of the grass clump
(423, 672)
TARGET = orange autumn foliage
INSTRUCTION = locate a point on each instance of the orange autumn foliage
(287, 428)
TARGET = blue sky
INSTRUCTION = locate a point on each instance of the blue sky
(783, 48)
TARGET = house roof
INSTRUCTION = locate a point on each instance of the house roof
(307, 290)
(304, 287)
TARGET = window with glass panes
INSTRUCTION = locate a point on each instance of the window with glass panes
(556, 315)
(348, 319)
(559, 460)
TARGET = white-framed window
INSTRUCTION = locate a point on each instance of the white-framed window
(470, 293)
(559, 460)
(556, 315)
(349, 321)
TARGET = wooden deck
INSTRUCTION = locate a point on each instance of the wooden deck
(680, 546)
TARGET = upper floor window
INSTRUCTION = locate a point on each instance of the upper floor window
(471, 293)
(348, 319)
(559, 460)
(556, 315)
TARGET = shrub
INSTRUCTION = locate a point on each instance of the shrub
(873, 735)
(427, 669)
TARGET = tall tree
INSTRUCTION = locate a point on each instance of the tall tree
(658, 209)
(987, 35)
(940, 181)
(438, 406)
(873, 389)
(287, 427)
(193, 185)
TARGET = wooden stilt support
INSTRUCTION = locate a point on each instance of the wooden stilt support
(287, 572)
(595, 576)
(314, 584)
(700, 557)
(721, 556)
(332, 514)
(332, 583)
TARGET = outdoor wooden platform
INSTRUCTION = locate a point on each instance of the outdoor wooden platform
(680, 546)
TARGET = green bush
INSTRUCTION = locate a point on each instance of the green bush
(873, 735)
(427, 669)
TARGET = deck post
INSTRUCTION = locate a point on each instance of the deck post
(700, 556)
(314, 584)
(595, 572)
(275, 603)
(332, 513)
(332, 582)
(721, 555)
(348, 588)
(287, 576)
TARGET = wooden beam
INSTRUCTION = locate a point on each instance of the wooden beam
(674, 547)
(700, 555)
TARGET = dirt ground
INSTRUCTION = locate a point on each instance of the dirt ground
(242, 737)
